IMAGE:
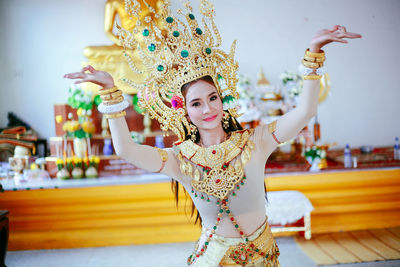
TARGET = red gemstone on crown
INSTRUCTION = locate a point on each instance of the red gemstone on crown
(217, 181)
(214, 151)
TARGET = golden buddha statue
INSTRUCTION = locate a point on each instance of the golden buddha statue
(111, 58)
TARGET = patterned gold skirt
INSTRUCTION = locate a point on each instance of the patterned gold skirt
(260, 251)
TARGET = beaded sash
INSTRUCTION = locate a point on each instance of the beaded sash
(222, 174)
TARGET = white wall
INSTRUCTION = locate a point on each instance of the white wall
(42, 40)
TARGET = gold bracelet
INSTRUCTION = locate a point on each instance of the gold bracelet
(313, 65)
(313, 54)
(108, 91)
(111, 96)
(114, 101)
(115, 115)
(164, 158)
(314, 59)
(312, 77)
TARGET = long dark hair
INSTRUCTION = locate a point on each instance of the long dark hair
(233, 126)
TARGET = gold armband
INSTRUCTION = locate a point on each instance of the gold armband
(115, 115)
(312, 77)
(314, 59)
(313, 54)
(313, 65)
(113, 101)
(108, 91)
(164, 158)
(111, 96)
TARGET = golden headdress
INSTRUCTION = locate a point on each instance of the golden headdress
(174, 54)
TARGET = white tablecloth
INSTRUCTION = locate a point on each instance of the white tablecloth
(285, 207)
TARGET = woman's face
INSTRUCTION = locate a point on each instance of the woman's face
(203, 105)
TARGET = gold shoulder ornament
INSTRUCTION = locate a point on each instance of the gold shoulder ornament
(218, 175)
(180, 50)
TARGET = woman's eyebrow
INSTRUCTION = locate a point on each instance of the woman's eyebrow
(199, 98)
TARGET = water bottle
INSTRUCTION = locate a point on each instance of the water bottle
(396, 150)
(107, 148)
(160, 141)
(347, 157)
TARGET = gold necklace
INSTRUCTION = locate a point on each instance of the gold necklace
(218, 176)
(201, 141)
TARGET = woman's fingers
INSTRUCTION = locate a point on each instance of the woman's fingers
(81, 81)
(85, 69)
(81, 74)
(89, 68)
(339, 40)
(75, 75)
(334, 28)
(352, 35)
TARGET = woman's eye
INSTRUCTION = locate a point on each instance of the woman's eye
(214, 97)
(196, 104)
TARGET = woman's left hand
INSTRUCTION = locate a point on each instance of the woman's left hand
(325, 36)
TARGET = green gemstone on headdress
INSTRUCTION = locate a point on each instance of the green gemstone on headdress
(219, 76)
(160, 67)
(175, 34)
(146, 32)
(152, 47)
(208, 50)
(199, 31)
(184, 53)
(191, 16)
(228, 99)
(169, 19)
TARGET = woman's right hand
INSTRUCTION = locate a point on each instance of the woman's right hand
(102, 78)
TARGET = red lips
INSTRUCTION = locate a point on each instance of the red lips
(210, 118)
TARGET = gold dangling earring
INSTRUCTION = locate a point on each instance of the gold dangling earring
(193, 131)
(225, 120)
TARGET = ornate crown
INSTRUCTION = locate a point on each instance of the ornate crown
(174, 54)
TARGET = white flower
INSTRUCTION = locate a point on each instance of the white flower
(86, 99)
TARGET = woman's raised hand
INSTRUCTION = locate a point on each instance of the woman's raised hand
(89, 74)
(325, 36)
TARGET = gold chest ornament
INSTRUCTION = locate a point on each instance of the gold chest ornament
(219, 176)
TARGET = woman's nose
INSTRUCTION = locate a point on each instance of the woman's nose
(206, 108)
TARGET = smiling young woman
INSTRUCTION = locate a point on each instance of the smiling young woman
(217, 162)
(205, 110)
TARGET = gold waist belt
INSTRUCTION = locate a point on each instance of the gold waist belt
(262, 251)
(258, 250)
